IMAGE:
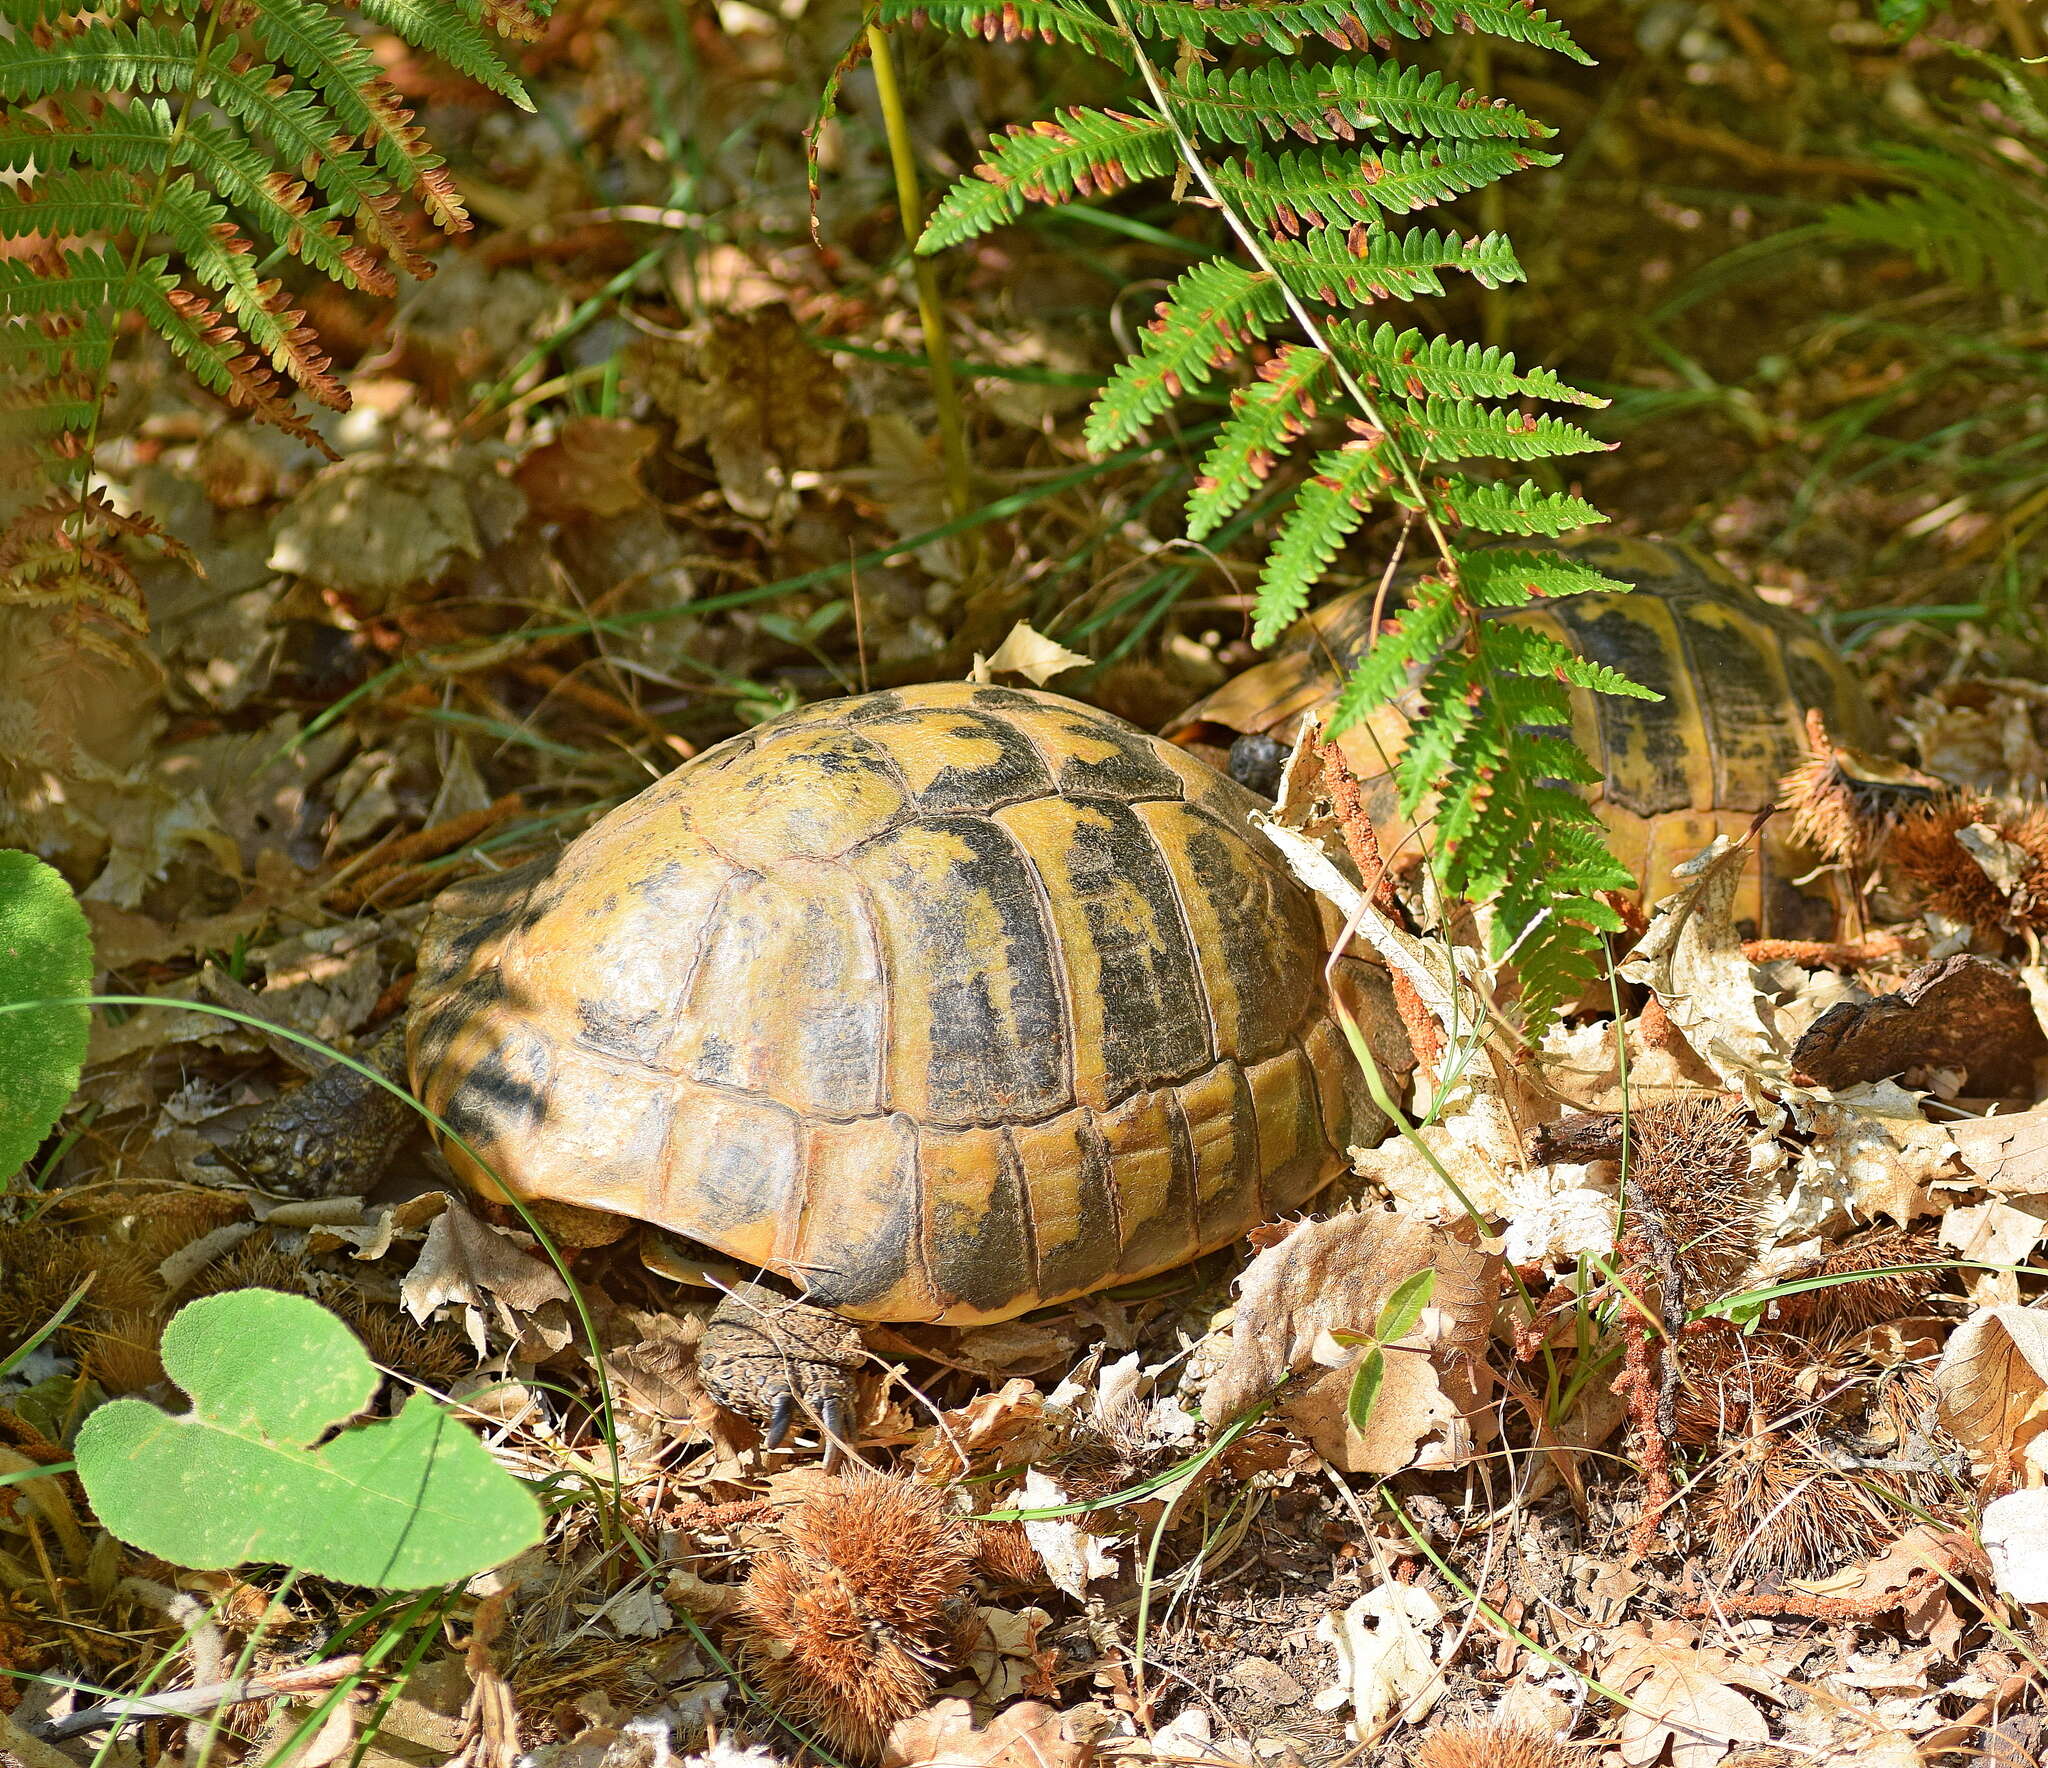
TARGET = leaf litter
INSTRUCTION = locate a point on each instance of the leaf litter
(1219, 1559)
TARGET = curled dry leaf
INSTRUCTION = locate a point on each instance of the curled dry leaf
(1334, 1276)
(1385, 1662)
(1680, 1697)
(2008, 1156)
(1029, 653)
(1991, 1387)
(1691, 959)
(475, 1266)
(1028, 1735)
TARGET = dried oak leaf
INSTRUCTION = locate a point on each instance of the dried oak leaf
(1029, 653)
(1679, 1697)
(1028, 1735)
(1334, 1276)
(1385, 1660)
(1991, 1387)
(2008, 1156)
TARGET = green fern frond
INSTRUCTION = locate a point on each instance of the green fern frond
(1265, 417)
(144, 139)
(1318, 187)
(1417, 367)
(1011, 21)
(1524, 652)
(1419, 631)
(316, 44)
(1347, 24)
(1508, 577)
(1072, 153)
(1207, 316)
(1354, 267)
(1457, 429)
(1519, 508)
(1333, 101)
(1326, 511)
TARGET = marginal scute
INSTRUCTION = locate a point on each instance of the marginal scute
(943, 1003)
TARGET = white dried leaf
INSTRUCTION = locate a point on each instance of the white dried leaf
(1385, 1663)
(1072, 1557)
(2014, 1530)
(1691, 959)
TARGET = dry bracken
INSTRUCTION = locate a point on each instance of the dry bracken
(846, 1613)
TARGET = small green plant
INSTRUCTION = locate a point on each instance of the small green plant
(45, 957)
(168, 160)
(1313, 163)
(399, 1504)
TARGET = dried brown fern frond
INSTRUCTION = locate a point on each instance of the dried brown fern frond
(1844, 802)
(1978, 859)
(846, 1614)
(1490, 1746)
(1690, 1176)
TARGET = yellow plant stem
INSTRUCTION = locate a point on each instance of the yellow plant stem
(931, 315)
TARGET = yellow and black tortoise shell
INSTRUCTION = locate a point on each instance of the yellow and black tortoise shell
(1737, 675)
(944, 1003)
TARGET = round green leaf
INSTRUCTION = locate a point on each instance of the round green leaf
(399, 1504)
(45, 955)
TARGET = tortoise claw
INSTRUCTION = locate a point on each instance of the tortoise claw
(769, 1358)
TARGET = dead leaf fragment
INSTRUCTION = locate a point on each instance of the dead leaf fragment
(1334, 1276)
(1072, 1557)
(1991, 1386)
(2007, 1155)
(2014, 1530)
(1028, 653)
(1385, 1662)
(1028, 1735)
(478, 1268)
(376, 527)
(591, 468)
(1680, 1697)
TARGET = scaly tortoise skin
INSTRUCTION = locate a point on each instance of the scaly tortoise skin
(1737, 675)
(943, 1003)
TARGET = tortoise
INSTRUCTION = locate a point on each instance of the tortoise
(943, 1003)
(1737, 673)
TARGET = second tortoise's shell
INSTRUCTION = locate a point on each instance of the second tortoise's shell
(1736, 673)
(943, 1002)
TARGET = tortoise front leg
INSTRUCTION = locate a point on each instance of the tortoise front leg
(333, 1136)
(766, 1357)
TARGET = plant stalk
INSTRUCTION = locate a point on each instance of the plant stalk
(930, 313)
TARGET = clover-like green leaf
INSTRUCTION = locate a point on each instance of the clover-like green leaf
(399, 1504)
(45, 955)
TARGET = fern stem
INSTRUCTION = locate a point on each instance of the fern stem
(1493, 301)
(1254, 248)
(930, 312)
